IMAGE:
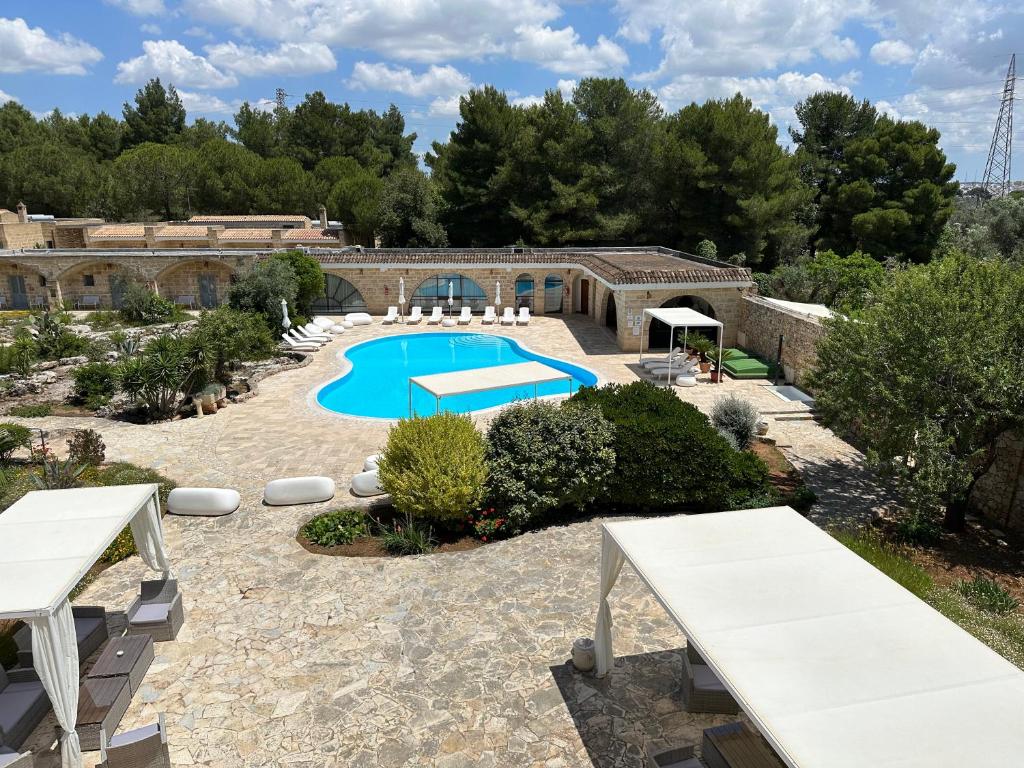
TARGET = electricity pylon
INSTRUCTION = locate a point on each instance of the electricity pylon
(1000, 154)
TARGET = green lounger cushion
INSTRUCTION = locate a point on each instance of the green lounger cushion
(746, 368)
(735, 353)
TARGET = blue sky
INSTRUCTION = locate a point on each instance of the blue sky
(940, 62)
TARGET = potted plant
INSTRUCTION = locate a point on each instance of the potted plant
(716, 374)
(704, 347)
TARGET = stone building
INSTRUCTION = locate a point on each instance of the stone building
(612, 286)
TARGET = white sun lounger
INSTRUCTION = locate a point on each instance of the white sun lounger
(416, 315)
(508, 317)
(435, 316)
(524, 316)
(297, 346)
(303, 336)
(391, 316)
(489, 316)
(465, 316)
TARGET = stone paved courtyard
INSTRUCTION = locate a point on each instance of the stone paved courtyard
(288, 658)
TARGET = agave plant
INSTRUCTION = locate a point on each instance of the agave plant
(56, 474)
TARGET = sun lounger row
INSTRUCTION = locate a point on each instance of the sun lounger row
(307, 338)
(508, 317)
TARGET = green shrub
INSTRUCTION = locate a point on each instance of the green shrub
(408, 538)
(342, 526)
(802, 499)
(541, 457)
(94, 384)
(737, 417)
(309, 279)
(53, 340)
(87, 447)
(39, 410)
(919, 528)
(986, 594)
(707, 249)
(434, 467)
(103, 320)
(19, 356)
(140, 306)
(55, 474)
(667, 454)
(232, 336)
(168, 367)
(122, 473)
(13, 437)
(261, 288)
(888, 559)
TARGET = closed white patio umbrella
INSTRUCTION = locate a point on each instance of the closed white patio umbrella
(401, 299)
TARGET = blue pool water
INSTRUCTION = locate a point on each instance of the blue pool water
(378, 383)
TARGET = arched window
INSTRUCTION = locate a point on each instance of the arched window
(552, 294)
(340, 296)
(658, 338)
(433, 292)
(524, 291)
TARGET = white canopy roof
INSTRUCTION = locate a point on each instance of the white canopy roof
(484, 379)
(836, 664)
(678, 317)
(50, 539)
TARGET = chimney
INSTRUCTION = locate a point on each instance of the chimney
(23, 213)
(323, 217)
(149, 232)
(213, 236)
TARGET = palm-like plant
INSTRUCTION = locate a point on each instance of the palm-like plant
(168, 367)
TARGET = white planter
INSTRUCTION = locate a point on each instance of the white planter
(584, 656)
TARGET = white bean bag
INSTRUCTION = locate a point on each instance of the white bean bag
(372, 462)
(686, 380)
(337, 329)
(359, 318)
(323, 322)
(298, 490)
(203, 502)
(346, 324)
(367, 484)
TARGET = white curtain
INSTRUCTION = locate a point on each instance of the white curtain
(611, 564)
(55, 657)
(147, 531)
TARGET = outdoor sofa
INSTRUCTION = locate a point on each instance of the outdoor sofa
(23, 705)
(90, 632)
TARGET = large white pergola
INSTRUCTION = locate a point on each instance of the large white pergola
(685, 318)
(837, 665)
(48, 542)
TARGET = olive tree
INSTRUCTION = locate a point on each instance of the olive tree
(929, 375)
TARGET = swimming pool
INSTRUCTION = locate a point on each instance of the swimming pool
(377, 385)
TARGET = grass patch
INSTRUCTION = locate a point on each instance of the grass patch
(986, 594)
(36, 411)
(1002, 633)
(889, 559)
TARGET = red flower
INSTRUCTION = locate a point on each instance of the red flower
(483, 538)
(484, 513)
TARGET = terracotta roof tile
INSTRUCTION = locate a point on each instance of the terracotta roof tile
(118, 232)
(183, 232)
(260, 217)
(617, 266)
(309, 234)
(241, 233)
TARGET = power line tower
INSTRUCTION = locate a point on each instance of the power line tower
(279, 98)
(997, 168)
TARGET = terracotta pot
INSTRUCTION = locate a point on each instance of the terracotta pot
(705, 367)
(714, 377)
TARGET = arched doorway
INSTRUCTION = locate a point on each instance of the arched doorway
(103, 282)
(197, 282)
(524, 291)
(340, 296)
(552, 294)
(611, 318)
(433, 292)
(658, 334)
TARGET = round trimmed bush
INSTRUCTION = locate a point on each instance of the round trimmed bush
(667, 453)
(542, 457)
(737, 417)
(434, 467)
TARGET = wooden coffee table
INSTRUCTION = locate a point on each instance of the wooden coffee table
(128, 656)
(102, 702)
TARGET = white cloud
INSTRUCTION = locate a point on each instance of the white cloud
(199, 32)
(150, 29)
(207, 104)
(890, 52)
(425, 31)
(565, 87)
(445, 106)
(32, 49)
(853, 77)
(5, 97)
(140, 7)
(740, 37)
(286, 59)
(527, 101)
(172, 61)
(446, 80)
(560, 50)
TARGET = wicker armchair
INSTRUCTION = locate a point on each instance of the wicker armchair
(157, 611)
(680, 757)
(144, 747)
(702, 691)
(10, 759)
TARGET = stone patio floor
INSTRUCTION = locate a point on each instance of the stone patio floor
(289, 658)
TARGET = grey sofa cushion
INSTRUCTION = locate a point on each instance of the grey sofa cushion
(150, 613)
(86, 627)
(22, 706)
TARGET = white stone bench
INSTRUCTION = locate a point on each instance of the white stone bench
(203, 502)
(372, 462)
(298, 490)
(367, 484)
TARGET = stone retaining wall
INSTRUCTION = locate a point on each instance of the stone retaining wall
(999, 494)
(761, 324)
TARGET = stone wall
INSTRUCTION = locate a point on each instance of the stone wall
(35, 287)
(761, 324)
(999, 493)
(28, 235)
(185, 280)
(724, 302)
